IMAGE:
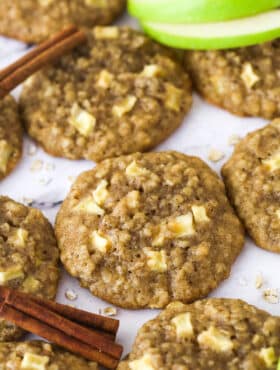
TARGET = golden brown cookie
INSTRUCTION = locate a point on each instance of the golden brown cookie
(10, 136)
(40, 356)
(28, 255)
(33, 21)
(213, 334)
(147, 229)
(244, 81)
(119, 93)
(252, 178)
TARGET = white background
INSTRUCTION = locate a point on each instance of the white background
(205, 128)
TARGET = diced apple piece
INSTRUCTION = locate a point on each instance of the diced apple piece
(157, 261)
(182, 225)
(125, 106)
(183, 325)
(215, 340)
(32, 361)
(99, 242)
(83, 121)
(12, 273)
(100, 194)
(144, 363)
(199, 214)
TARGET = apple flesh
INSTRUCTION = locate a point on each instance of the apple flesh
(222, 35)
(197, 11)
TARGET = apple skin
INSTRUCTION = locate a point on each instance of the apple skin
(225, 35)
(197, 11)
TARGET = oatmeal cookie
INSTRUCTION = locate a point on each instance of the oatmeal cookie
(28, 255)
(212, 334)
(245, 81)
(33, 21)
(252, 178)
(40, 356)
(117, 94)
(10, 136)
(146, 229)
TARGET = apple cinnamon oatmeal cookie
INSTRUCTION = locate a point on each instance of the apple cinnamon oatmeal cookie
(117, 94)
(28, 255)
(10, 136)
(146, 229)
(245, 81)
(252, 177)
(38, 355)
(33, 21)
(212, 334)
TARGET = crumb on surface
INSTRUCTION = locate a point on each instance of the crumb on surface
(32, 150)
(71, 294)
(271, 295)
(215, 155)
(259, 281)
(36, 165)
(108, 311)
(234, 139)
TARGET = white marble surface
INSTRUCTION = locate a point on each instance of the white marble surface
(204, 128)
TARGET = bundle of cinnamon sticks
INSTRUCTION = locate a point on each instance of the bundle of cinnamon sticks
(89, 335)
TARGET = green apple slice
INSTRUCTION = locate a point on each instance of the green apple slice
(222, 35)
(197, 11)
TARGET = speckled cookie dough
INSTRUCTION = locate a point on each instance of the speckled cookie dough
(252, 178)
(35, 20)
(118, 94)
(146, 229)
(10, 136)
(28, 255)
(244, 81)
(213, 334)
(40, 356)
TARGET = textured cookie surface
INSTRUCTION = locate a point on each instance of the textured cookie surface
(28, 255)
(117, 94)
(252, 178)
(10, 136)
(40, 356)
(35, 20)
(244, 81)
(145, 229)
(213, 334)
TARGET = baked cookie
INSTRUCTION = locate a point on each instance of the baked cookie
(33, 21)
(213, 334)
(10, 136)
(244, 81)
(28, 255)
(252, 178)
(40, 356)
(118, 94)
(146, 229)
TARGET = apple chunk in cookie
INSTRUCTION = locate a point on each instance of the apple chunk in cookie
(117, 94)
(244, 81)
(33, 21)
(10, 136)
(28, 256)
(252, 177)
(36, 355)
(206, 335)
(146, 229)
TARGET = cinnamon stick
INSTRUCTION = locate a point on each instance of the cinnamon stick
(89, 319)
(45, 53)
(72, 329)
(56, 336)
